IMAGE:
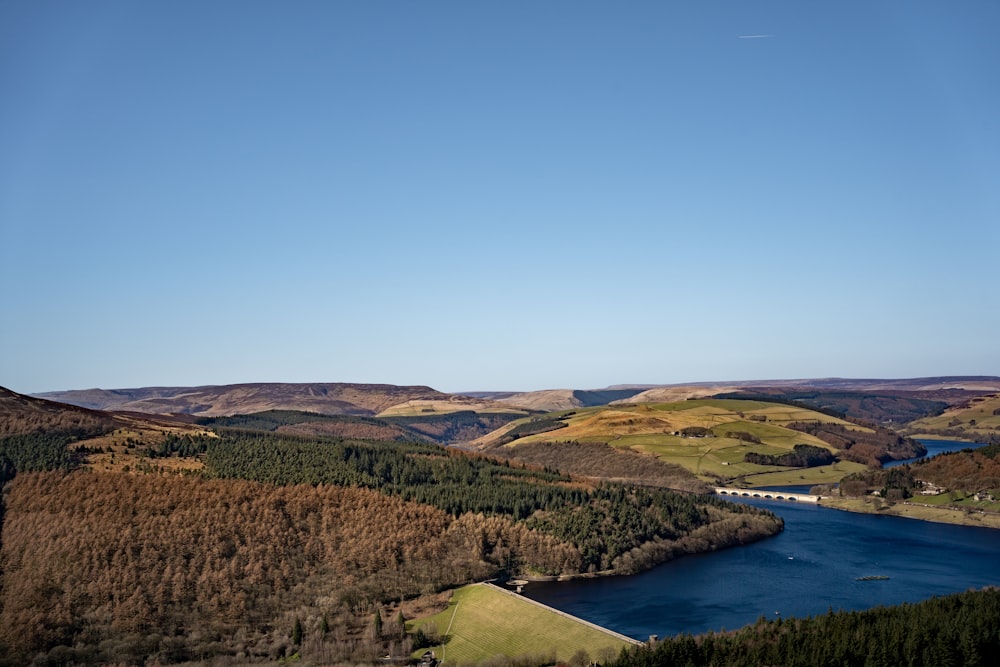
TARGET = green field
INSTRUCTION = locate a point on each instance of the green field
(482, 621)
(975, 418)
(831, 474)
(650, 428)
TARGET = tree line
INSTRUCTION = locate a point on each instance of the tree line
(801, 456)
(962, 629)
(604, 523)
(968, 470)
(873, 447)
(35, 452)
(602, 461)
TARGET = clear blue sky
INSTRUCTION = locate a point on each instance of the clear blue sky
(497, 195)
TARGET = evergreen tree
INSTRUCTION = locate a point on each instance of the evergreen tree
(401, 620)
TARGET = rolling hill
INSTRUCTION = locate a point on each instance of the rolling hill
(27, 415)
(880, 400)
(329, 398)
(552, 400)
(710, 438)
(975, 419)
(35, 431)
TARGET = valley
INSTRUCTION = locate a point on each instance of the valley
(330, 534)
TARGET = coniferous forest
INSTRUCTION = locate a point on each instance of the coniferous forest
(959, 630)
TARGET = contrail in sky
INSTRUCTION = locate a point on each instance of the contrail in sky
(754, 36)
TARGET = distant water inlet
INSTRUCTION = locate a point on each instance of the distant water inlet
(762, 494)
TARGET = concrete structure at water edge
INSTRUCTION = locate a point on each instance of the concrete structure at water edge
(761, 494)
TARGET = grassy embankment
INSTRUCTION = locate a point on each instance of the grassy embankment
(482, 621)
(651, 429)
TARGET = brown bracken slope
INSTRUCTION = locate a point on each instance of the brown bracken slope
(24, 415)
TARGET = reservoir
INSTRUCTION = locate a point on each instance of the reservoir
(813, 566)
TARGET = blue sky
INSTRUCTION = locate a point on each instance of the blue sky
(497, 195)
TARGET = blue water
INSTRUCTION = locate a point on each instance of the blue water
(935, 447)
(811, 567)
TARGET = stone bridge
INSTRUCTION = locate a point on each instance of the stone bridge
(767, 495)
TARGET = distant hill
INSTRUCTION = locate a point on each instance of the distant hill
(974, 383)
(552, 400)
(329, 398)
(976, 419)
(675, 393)
(947, 384)
(899, 400)
(886, 408)
(26, 415)
(384, 400)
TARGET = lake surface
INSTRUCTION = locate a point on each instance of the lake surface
(935, 447)
(809, 568)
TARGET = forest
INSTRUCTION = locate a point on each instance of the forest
(105, 568)
(605, 523)
(35, 452)
(968, 470)
(598, 460)
(962, 629)
(893, 484)
(963, 473)
(295, 422)
(872, 448)
(801, 456)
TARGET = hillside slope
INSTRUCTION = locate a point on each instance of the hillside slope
(27, 415)
(331, 398)
(948, 389)
(710, 438)
(675, 393)
(976, 419)
(552, 400)
(38, 434)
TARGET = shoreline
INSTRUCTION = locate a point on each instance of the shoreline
(915, 511)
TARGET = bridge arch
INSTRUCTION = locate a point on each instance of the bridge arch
(765, 494)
